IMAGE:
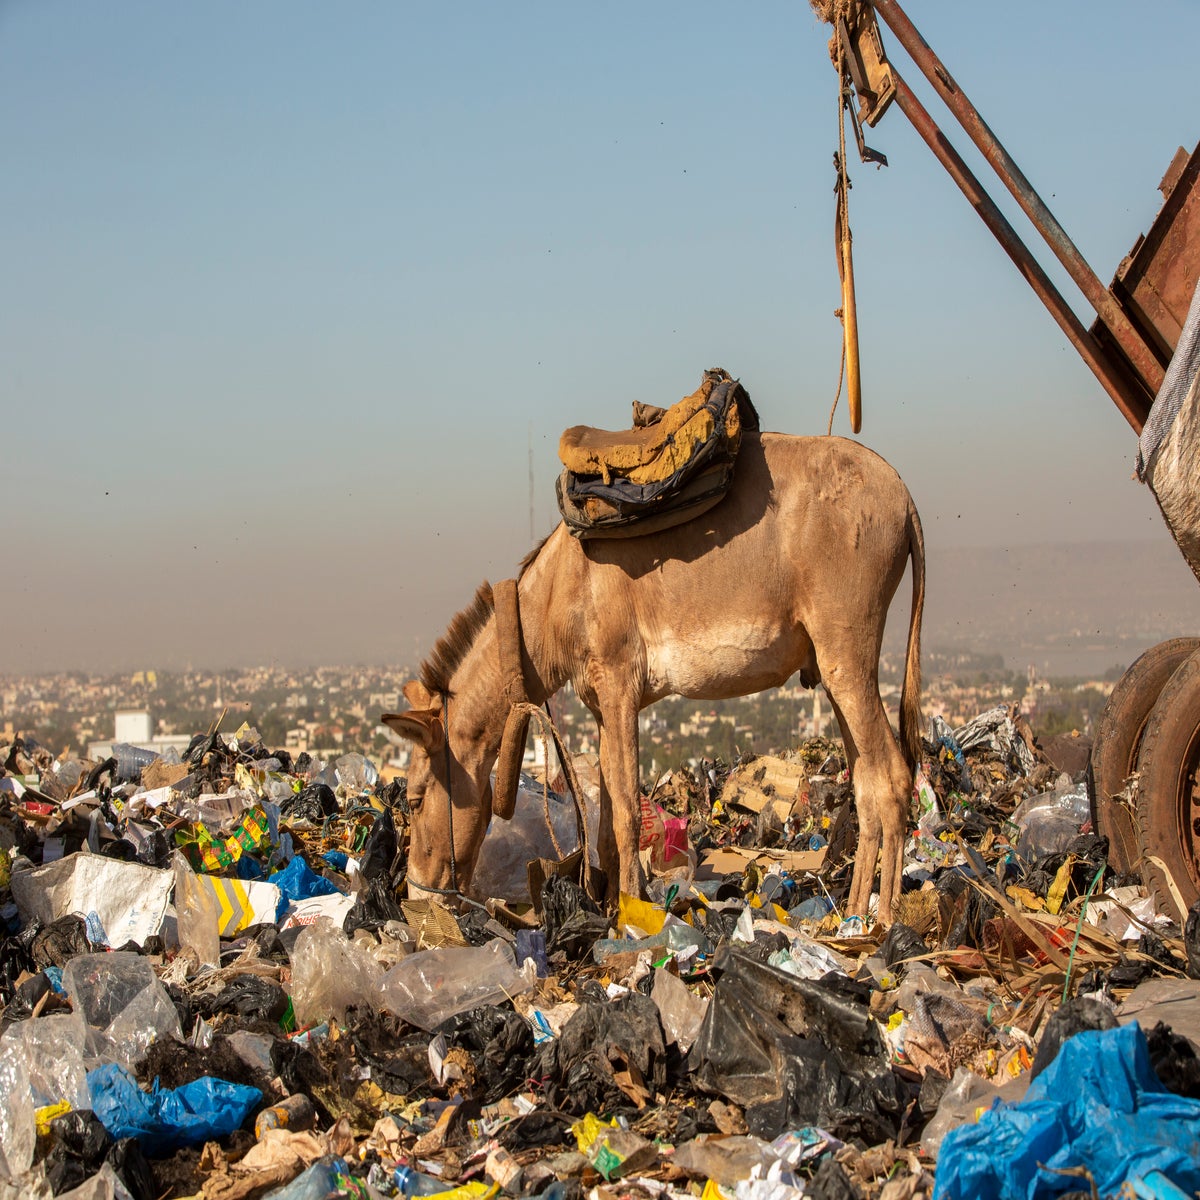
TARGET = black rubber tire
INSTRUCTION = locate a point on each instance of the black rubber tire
(1168, 792)
(1118, 739)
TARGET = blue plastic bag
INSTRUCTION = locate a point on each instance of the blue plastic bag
(298, 881)
(1098, 1105)
(163, 1119)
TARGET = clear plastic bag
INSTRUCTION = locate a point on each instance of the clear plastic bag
(355, 773)
(679, 1008)
(330, 973)
(724, 1160)
(18, 1133)
(1050, 821)
(52, 1048)
(966, 1095)
(509, 846)
(432, 985)
(119, 996)
(197, 913)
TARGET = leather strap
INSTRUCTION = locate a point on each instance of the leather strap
(509, 643)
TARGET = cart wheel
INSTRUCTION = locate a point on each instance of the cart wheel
(1168, 792)
(1118, 739)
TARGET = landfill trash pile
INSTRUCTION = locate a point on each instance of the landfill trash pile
(213, 985)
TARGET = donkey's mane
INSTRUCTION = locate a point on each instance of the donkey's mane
(451, 648)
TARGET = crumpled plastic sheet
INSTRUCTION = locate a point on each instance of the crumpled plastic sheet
(795, 1052)
(17, 1130)
(330, 973)
(1098, 1105)
(52, 1048)
(119, 995)
(163, 1119)
(431, 986)
(995, 730)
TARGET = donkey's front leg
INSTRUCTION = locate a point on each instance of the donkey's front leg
(619, 793)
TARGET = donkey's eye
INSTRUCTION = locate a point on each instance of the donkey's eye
(415, 801)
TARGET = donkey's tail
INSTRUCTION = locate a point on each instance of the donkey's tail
(910, 695)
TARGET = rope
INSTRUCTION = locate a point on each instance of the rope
(841, 376)
(568, 768)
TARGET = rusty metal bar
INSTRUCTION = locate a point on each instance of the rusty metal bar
(1133, 405)
(1145, 363)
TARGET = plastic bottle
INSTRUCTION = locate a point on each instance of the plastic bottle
(295, 1113)
(411, 1182)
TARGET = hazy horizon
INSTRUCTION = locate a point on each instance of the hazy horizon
(291, 292)
(1056, 606)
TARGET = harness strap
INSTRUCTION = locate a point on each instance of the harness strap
(508, 639)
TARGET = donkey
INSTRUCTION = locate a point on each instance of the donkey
(793, 571)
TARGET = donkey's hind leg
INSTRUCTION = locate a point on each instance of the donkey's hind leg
(882, 784)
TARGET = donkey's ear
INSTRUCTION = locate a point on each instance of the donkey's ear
(418, 695)
(420, 725)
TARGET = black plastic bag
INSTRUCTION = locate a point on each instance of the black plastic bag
(80, 1143)
(832, 1183)
(24, 999)
(1191, 941)
(571, 919)
(1128, 973)
(156, 849)
(473, 926)
(601, 1037)
(1174, 1061)
(54, 945)
(380, 849)
(133, 1170)
(1076, 1016)
(299, 1070)
(902, 943)
(249, 997)
(1154, 947)
(796, 1052)
(500, 1044)
(718, 926)
(15, 960)
(270, 944)
(399, 1063)
(375, 907)
(537, 1129)
(314, 803)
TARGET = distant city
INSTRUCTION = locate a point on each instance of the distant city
(1050, 628)
(331, 711)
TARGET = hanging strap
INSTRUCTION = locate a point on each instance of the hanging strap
(844, 256)
(509, 642)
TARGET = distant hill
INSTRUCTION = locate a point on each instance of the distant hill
(1069, 609)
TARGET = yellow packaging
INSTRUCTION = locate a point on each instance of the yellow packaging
(588, 1128)
(643, 914)
(43, 1116)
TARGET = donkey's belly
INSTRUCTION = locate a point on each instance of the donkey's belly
(723, 660)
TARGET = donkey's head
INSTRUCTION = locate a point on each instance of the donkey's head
(449, 789)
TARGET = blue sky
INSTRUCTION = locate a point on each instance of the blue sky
(287, 286)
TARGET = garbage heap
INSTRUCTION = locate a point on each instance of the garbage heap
(212, 985)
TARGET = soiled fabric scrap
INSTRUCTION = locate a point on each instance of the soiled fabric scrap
(1098, 1105)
